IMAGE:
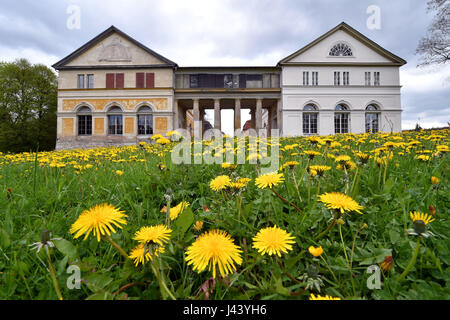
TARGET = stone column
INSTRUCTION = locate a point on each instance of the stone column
(237, 114)
(269, 120)
(198, 124)
(176, 115)
(258, 115)
(217, 120)
(279, 121)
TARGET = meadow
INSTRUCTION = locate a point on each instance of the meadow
(345, 217)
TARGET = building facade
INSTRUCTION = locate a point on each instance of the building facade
(116, 91)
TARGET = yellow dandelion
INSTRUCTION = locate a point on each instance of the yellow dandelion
(342, 159)
(320, 170)
(273, 241)
(339, 201)
(227, 165)
(311, 154)
(435, 180)
(290, 164)
(214, 249)
(175, 211)
(198, 226)
(269, 180)
(99, 220)
(142, 253)
(119, 173)
(219, 183)
(316, 252)
(159, 234)
(319, 297)
(419, 216)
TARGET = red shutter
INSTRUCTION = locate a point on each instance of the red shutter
(120, 79)
(140, 78)
(109, 80)
(150, 80)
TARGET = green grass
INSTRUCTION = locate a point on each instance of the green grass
(36, 196)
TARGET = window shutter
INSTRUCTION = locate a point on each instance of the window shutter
(150, 80)
(120, 77)
(140, 80)
(109, 80)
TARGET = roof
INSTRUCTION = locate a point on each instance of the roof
(60, 64)
(358, 35)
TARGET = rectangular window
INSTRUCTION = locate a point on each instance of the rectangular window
(90, 81)
(341, 122)
(228, 81)
(337, 78)
(376, 78)
(115, 125)
(193, 82)
(310, 123)
(346, 78)
(367, 78)
(115, 80)
(315, 78)
(275, 81)
(80, 84)
(254, 81)
(145, 124)
(305, 78)
(85, 125)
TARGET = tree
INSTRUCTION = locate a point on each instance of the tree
(28, 104)
(434, 48)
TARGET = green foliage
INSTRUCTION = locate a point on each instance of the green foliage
(28, 104)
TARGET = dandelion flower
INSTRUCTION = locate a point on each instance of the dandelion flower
(99, 220)
(273, 241)
(220, 183)
(175, 211)
(386, 265)
(319, 297)
(339, 201)
(214, 249)
(269, 180)
(119, 172)
(435, 180)
(316, 252)
(320, 170)
(198, 226)
(419, 216)
(159, 234)
(141, 254)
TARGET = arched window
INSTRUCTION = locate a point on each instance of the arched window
(341, 50)
(115, 121)
(145, 121)
(341, 118)
(84, 118)
(372, 118)
(310, 119)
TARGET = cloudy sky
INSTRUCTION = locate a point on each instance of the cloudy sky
(231, 32)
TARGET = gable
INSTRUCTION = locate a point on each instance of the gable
(113, 48)
(363, 50)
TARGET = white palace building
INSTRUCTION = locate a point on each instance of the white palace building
(116, 91)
